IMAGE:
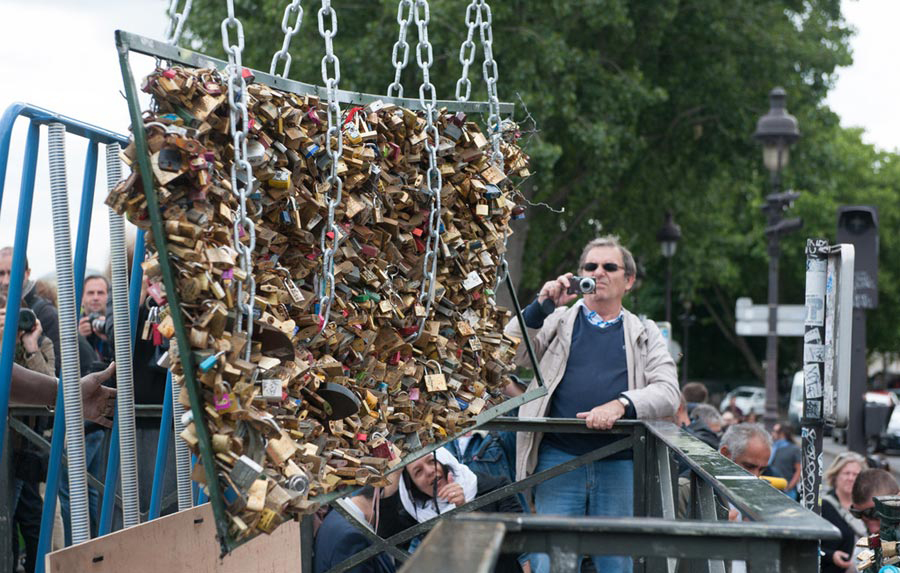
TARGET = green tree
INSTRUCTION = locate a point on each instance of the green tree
(641, 106)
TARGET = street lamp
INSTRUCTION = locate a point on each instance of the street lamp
(776, 131)
(668, 237)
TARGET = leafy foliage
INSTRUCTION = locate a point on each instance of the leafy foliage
(641, 106)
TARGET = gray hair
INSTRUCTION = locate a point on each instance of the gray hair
(737, 437)
(707, 414)
(610, 241)
(839, 463)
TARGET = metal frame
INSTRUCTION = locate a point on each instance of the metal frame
(95, 136)
(150, 47)
(127, 43)
(839, 311)
(29, 434)
(776, 534)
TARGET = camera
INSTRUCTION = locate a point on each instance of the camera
(581, 285)
(98, 322)
(27, 319)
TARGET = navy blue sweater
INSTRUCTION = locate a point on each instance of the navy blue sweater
(596, 373)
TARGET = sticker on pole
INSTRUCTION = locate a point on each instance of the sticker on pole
(812, 380)
(815, 292)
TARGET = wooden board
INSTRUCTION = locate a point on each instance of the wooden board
(185, 541)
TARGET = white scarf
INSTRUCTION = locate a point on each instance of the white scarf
(423, 511)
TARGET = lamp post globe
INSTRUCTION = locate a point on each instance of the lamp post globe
(668, 237)
(777, 130)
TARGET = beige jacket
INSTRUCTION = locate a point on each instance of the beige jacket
(652, 378)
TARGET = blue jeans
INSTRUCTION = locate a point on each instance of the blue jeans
(95, 460)
(601, 488)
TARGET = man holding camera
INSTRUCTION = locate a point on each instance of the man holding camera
(600, 363)
(92, 325)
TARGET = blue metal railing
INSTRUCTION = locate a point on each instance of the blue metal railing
(95, 136)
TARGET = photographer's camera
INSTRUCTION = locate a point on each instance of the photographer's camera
(581, 285)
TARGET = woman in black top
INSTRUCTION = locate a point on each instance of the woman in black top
(434, 485)
(840, 476)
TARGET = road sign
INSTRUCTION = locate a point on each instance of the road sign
(753, 319)
(761, 328)
(744, 309)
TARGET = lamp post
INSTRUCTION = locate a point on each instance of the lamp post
(687, 320)
(776, 131)
(668, 237)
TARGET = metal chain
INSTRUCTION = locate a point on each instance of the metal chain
(289, 32)
(176, 20)
(467, 50)
(241, 187)
(424, 58)
(334, 147)
(396, 88)
(489, 69)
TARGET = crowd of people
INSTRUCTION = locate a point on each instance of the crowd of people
(600, 363)
(35, 382)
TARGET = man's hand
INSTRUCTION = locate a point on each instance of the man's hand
(841, 559)
(604, 416)
(99, 401)
(452, 492)
(84, 327)
(556, 291)
(30, 339)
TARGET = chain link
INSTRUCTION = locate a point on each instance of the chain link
(334, 148)
(176, 20)
(467, 50)
(241, 175)
(289, 32)
(433, 176)
(396, 88)
(489, 69)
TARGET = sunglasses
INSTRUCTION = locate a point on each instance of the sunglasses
(608, 267)
(868, 513)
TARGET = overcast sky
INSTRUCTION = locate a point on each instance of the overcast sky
(60, 55)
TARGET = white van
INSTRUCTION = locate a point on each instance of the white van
(795, 406)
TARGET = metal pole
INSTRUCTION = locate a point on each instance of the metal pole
(856, 434)
(669, 290)
(813, 420)
(771, 415)
(686, 324)
(772, 337)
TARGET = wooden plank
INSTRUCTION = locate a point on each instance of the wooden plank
(185, 541)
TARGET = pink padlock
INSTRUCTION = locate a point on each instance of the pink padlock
(223, 403)
(413, 394)
(155, 291)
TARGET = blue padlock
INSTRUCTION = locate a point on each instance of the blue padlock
(210, 361)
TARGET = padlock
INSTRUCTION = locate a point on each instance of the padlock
(271, 407)
(170, 160)
(245, 473)
(435, 382)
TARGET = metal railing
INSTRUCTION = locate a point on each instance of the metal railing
(95, 135)
(775, 534)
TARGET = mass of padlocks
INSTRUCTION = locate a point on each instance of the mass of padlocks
(317, 406)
